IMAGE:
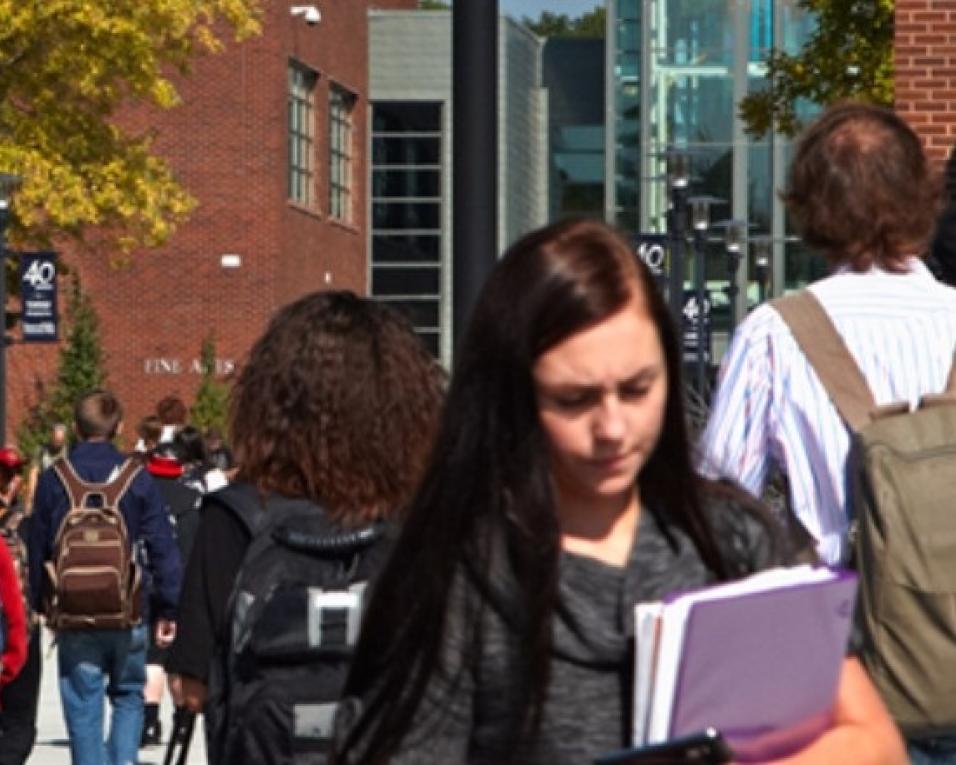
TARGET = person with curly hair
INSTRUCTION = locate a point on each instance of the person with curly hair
(337, 404)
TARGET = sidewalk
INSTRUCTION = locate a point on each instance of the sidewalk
(52, 747)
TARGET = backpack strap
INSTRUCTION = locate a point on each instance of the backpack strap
(248, 507)
(111, 491)
(114, 491)
(244, 502)
(12, 518)
(951, 379)
(829, 356)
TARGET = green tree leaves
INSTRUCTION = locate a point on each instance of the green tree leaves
(850, 55)
(548, 24)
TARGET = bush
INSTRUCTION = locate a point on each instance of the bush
(211, 406)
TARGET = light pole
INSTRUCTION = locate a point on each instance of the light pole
(734, 243)
(700, 219)
(678, 178)
(474, 153)
(762, 247)
(9, 183)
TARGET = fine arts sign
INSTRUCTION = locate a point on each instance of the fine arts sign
(164, 365)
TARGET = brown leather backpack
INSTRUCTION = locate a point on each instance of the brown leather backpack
(93, 580)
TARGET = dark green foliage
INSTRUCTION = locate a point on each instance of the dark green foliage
(211, 406)
(590, 24)
(850, 55)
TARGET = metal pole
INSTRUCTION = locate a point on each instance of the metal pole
(474, 152)
(675, 275)
(700, 263)
(733, 263)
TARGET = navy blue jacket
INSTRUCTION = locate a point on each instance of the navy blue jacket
(143, 510)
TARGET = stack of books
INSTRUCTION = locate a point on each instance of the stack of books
(759, 660)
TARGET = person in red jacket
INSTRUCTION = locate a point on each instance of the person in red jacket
(14, 620)
(20, 697)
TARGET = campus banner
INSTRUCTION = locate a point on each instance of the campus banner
(696, 327)
(653, 250)
(38, 320)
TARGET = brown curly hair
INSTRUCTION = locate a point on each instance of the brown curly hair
(861, 189)
(338, 402)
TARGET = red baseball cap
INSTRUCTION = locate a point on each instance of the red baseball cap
(10, 458)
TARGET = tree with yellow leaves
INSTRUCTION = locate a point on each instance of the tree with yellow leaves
(67, 67)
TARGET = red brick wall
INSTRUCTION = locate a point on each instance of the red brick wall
(227, 144)
(925, 59)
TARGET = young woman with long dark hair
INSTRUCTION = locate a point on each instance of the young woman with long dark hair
(560, 493)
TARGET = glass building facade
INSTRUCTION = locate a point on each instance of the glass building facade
(677, 71)
(573, 74)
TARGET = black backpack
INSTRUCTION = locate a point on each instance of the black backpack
(292, 622)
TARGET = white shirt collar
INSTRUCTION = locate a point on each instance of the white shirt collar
(914, 266)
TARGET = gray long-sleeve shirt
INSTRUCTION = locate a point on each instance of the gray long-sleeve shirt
(470, 705)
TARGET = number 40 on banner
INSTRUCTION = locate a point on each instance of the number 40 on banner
(39, 297)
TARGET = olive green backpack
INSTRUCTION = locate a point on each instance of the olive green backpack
(902, 490)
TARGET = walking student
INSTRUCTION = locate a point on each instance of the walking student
(862, 193)
(899, 323)
(13, 643)
(108, 658)
(18, 698)
(331, 420)
(560, 493)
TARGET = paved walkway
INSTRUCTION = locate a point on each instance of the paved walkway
(52, 748)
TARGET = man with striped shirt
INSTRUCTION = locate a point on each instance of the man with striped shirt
(861, 192)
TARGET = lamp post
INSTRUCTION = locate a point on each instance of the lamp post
(762, 247)
(474, 153)
(734, 243)
(678, 178)
(9, 183)
(700, 219)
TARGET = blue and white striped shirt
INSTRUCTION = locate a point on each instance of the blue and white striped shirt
(770, 406)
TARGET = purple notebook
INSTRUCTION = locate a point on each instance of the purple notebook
(763, 667)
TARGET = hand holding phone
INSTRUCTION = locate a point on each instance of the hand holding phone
(705, 748)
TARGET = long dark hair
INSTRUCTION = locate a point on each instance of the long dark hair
(488, 486)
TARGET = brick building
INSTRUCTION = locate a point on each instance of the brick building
(925, 60)
(271, 140)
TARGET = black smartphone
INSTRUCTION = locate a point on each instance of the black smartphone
(705, 748)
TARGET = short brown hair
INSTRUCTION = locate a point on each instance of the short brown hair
(861, 190)
(97, 414)
(150, 429)
(338, 402)
(172, 411)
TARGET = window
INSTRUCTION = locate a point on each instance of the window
(341, 103)
(406, 265)
(301, 134)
